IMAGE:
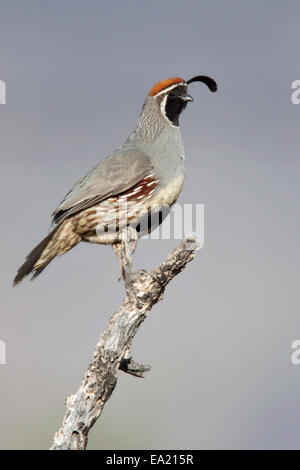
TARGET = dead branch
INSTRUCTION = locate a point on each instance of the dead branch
(112, 351)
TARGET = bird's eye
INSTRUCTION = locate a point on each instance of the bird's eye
(172, 94)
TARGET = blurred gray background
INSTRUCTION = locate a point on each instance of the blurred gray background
(219, 344)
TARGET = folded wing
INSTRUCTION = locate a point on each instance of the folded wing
(114, 175)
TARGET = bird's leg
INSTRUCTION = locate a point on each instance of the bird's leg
(129, 237)
(124, 250)
(117, 247)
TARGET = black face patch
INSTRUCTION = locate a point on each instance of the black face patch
(175, 104)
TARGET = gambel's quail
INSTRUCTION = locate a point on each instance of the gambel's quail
(142, 176)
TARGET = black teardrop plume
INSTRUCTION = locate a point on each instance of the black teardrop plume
(207, 80)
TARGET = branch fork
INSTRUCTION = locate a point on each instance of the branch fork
(112, 352)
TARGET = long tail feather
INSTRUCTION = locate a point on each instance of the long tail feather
(32, 258)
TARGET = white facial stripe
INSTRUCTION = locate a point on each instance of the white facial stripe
(163, 106)
(163, 110)
(169, 88)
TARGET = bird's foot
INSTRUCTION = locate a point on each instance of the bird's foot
(130, 276)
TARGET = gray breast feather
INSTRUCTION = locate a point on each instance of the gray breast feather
(117, 173)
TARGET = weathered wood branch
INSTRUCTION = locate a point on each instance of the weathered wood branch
(112, 351)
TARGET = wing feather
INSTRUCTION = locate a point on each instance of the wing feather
(114, 175)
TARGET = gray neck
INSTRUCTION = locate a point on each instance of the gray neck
(159, 139)
(150, 123)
